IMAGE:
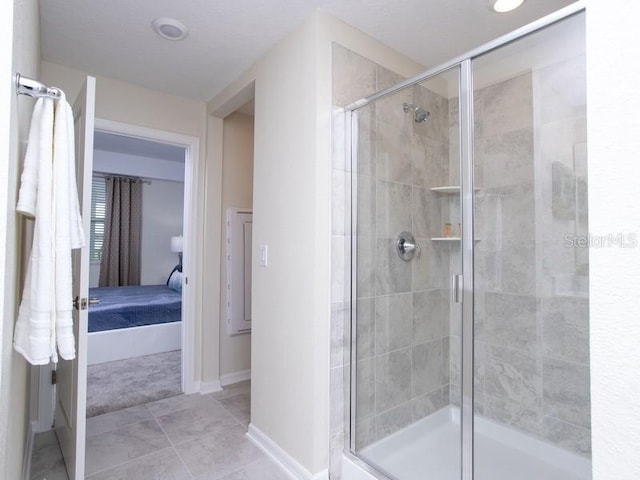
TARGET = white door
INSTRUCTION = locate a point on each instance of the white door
(70, 416)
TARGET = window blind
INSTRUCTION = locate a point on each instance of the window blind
(98, 215)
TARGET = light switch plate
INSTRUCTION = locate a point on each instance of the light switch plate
(263, 258)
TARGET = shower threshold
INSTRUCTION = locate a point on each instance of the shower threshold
(432, 445)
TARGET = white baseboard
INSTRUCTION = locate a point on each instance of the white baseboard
(289, 464)
(235, 377)
(28, 450)
(228, 379)
(209, 387)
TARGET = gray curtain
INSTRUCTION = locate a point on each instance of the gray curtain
(120, 264)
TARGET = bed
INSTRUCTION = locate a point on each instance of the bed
(133, 321)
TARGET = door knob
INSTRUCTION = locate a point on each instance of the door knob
(81, 304)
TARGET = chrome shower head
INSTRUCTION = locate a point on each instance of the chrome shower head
(420, 115)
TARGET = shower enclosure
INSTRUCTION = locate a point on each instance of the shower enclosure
(469, 354)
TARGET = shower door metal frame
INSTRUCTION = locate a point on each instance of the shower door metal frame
(464, 65)
(466, 251)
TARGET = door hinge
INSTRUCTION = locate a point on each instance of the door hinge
(54, 377)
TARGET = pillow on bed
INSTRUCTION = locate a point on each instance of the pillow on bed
(175, 281)
(177, 268)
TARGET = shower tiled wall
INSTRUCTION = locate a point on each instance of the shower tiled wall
(531, 309)
(353, 77)
(531, 306)
(403, 309)
(403, 349)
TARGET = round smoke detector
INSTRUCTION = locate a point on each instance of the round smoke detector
(169, 28)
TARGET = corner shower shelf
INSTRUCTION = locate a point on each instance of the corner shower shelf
(449, 239)
(446, 189)
(449, 189)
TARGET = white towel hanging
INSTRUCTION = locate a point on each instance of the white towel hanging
(48, 193)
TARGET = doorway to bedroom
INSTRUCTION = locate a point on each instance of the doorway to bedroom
(135, 314)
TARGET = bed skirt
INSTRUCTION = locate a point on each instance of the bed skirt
(111, 345)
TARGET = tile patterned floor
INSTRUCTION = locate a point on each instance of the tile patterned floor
(188, 437)
(46, 460)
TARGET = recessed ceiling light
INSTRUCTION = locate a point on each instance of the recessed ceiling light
(169, 28)
(503, 6)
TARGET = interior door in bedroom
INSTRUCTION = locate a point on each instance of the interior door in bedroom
(70, 421)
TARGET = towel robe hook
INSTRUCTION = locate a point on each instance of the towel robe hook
(34, 88)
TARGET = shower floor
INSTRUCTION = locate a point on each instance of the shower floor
(432, 446)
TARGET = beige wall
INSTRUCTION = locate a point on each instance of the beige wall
(127, 103)
(287, 311)
(286, 355)
(211, 256)
(237, 191)
(292, 178)
(14, 381)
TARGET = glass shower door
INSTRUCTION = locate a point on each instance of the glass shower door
(531, 314)
(476, 197)
(406, 330)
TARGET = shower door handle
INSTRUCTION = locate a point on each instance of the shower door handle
(456, 288)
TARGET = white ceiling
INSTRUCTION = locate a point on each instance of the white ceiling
(114, 37)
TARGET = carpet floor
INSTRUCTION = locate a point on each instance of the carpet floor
(116, 385)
